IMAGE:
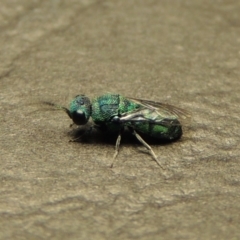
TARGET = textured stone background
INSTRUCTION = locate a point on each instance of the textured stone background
(186, 53)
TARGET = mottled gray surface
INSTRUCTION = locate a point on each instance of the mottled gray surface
(186, 53)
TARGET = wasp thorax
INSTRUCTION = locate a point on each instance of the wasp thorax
(80, 109)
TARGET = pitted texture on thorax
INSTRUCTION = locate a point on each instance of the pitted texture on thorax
(105, 107)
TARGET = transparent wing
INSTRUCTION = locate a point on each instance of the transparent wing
(157, 113)
(163, 107)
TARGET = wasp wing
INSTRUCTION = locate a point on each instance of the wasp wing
(147, 116)
(176, 111)
(155, 112)
(163, 107)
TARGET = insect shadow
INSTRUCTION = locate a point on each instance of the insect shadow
(96, 136)
(100, 136)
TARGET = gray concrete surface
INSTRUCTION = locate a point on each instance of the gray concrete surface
(186, 53)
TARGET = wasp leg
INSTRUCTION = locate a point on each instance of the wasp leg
(139, 138)
(116, 148)
(72, 125)
(86, 132)
(75, 139)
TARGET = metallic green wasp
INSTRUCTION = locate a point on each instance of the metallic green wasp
(116, 113)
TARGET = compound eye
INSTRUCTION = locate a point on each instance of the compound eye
(79, 117)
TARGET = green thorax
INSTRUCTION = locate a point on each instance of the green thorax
(105, 107)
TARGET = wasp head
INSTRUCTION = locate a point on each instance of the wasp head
(80, 109)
